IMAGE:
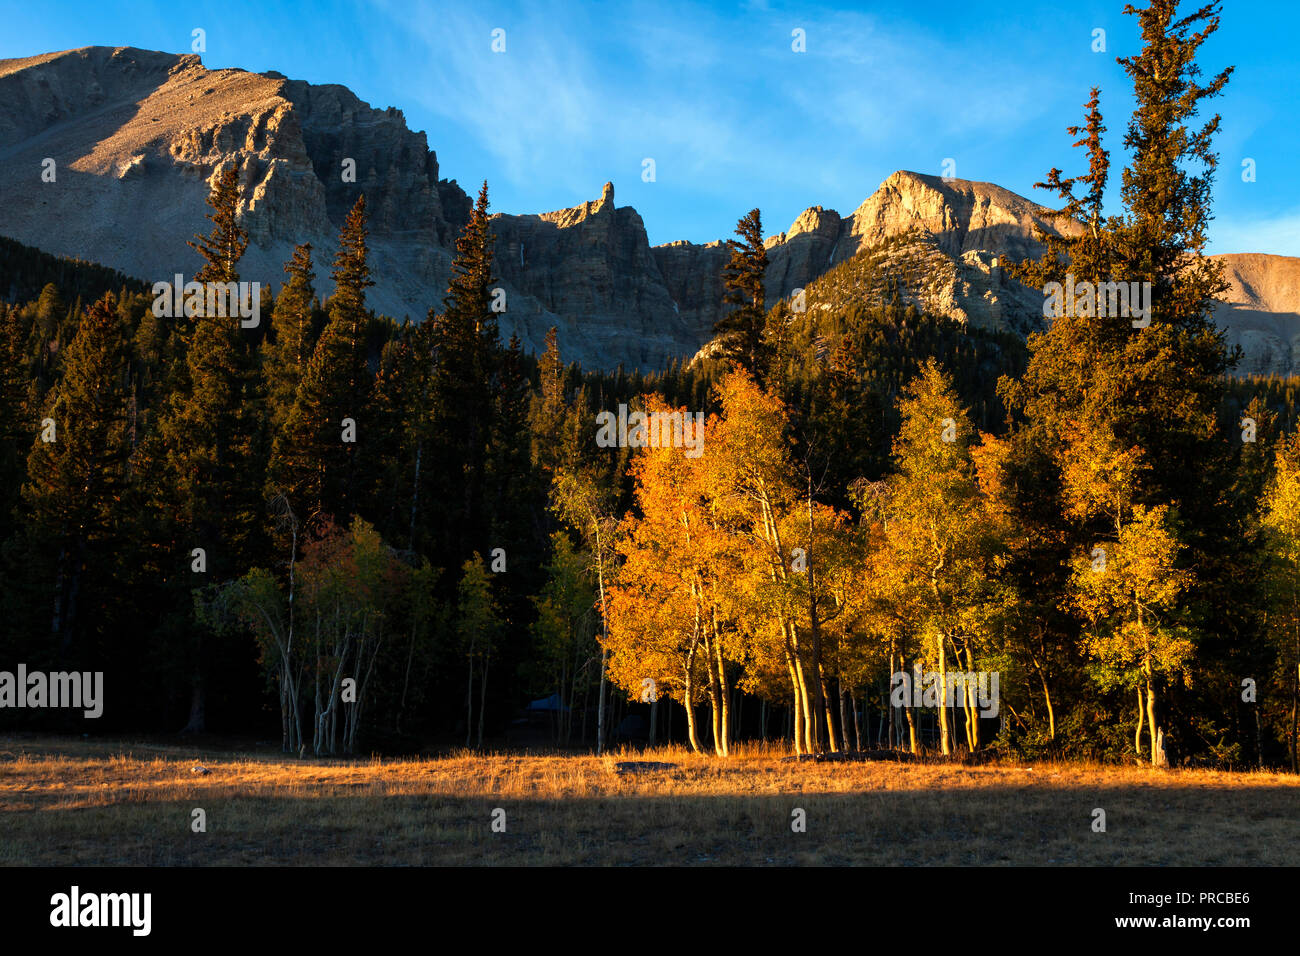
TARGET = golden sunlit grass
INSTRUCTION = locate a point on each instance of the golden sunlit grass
(78, 802)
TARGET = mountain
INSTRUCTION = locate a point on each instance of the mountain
(955, 230)
(1261, 312)
(137, 137)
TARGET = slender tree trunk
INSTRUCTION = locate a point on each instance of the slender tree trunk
(911, 730)
(1295, 713)
(1051, 713)
(887, 725)
(1137, 734)
(714, 710)
(889, 710)
(600, 708)
(809, 714)
(724, 692)
(972, 705)
(831, 736)
(945, 741)
(796, 713)
(604, 629)
(1152, 727)
(689, 702)
(844, 719)
(284, 713)
(406, 682)
(469, 700)
(482, 700)
(1047, 694)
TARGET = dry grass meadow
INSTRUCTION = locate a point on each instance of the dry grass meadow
(95, 803)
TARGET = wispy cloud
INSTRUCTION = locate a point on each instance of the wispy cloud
(732, 116)
(1279, 234)
(714, 99)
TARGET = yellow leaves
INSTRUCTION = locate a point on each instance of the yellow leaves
(1130, 597)
(1282, 503)
(1100, 476)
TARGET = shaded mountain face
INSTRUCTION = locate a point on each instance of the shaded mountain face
(1261, 312)
(138, 137)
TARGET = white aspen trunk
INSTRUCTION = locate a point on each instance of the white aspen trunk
(796, 714)
(1137, 734)
(482, 700)
(469, 698)
(945, 741)
(689, 702)
(724, 715)
(604, 630)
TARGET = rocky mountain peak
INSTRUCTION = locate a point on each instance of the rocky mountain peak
(139, 136)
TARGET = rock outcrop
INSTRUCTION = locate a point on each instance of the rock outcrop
(1261, 312)
(963, 227)
(137, 137)
(589, 271)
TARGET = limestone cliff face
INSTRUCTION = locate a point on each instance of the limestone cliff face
(964, 216)
(137, 138)
(959, 227)
(692, 274)
(588, 270)
(1261, 312)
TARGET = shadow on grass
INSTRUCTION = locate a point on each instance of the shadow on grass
(990, 824)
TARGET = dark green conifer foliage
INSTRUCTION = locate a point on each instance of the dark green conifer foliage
(286, 357)
(741, 331)
(314, 457)
(16, 420)
(225, 245)
(466, 356)
(75, 481)
(1154, 390)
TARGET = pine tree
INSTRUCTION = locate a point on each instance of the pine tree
(15, 417)
(741, 331)
(1116, 404)
(314, 457)
(467, 356)
(224, 247)
(75, 479)
(207, 425)
(286, 357)
(207, 436)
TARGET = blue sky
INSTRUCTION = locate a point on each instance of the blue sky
(731, 115)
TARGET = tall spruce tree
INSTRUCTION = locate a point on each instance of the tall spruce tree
(286, 356)
(314, 458)
(224, 246)
(15, 418)
(76, 468)
(741, 331)
(466, 355)
(207, 431)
